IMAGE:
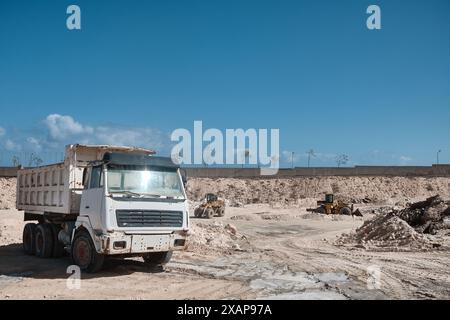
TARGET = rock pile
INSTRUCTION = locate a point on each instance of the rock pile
(407, 229)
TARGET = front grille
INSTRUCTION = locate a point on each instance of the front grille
(149, 218)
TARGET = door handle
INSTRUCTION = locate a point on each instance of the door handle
(87, 207)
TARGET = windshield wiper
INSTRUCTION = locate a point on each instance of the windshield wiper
(152, 195)
(130, 193)
(147, 195)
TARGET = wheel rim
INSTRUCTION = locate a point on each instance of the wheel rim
(83, 253)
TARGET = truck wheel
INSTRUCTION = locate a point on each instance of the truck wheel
(198, 212)
(221, 211)
(84, 254)
(157, 258)
(44, 240)
(58, 246)
(209, 213)
(345, 211)
(28, 238)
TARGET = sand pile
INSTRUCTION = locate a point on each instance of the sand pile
(304, 191)
(7, 193)
(407, 229)
(214, 237)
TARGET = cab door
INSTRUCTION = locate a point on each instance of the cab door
(93, 197)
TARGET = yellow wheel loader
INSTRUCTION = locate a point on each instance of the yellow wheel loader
(332, 206)
(211, 206)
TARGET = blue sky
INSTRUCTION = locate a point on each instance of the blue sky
(139, 69)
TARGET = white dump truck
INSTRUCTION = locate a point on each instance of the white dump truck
(104, 201)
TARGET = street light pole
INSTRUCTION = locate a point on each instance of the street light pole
(437, 156)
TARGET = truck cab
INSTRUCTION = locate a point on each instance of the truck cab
(128, 199)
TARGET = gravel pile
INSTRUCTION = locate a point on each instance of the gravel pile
(419, 226)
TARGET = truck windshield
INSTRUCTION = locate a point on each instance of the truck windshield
(145, 182)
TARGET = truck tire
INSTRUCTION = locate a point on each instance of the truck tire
(345, 211)
(321, 210)
(209, 213)
(198, 212)
(157, 258)
(28, 238)
(84, 254)
(44, 240)
(221, 211)
(58, 246)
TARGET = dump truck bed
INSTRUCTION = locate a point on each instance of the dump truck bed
(55, 188)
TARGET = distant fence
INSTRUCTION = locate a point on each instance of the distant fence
(442, 170)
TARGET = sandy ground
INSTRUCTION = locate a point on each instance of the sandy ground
(279, 253)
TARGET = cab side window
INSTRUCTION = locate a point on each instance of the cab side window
(86, 176)
(96, 180)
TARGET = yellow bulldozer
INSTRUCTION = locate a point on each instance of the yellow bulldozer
(210, 207)
(332, 206)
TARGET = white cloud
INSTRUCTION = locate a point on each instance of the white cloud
(405, 159)
(142, 137)
(2, 131)
(34, 144)
(61, 127)
(12, 146)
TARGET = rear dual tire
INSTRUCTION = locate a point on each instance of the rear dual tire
(29, 238)
(42, 240)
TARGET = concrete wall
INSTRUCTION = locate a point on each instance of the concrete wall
(442, 170)
(8, 171)
(405, 171)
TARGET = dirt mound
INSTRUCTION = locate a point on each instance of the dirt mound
(7, 193)
(406, 229)
(214, 237)
(385, 231)
(305, 191)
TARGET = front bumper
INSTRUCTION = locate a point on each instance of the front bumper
(122, 243)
